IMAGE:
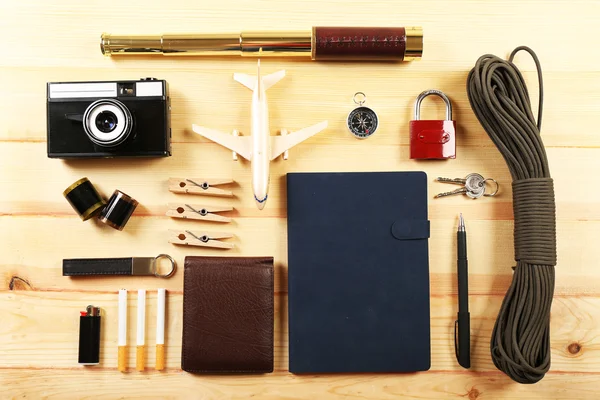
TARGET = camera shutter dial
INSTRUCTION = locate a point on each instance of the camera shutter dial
(107, 122)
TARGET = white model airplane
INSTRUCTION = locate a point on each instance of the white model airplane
(261, 147)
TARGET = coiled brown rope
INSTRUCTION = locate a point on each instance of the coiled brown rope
(520, 343)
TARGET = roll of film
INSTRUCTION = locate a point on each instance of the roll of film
(84, 198)
(118, 210)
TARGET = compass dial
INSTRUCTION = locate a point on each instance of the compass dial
(362, 122)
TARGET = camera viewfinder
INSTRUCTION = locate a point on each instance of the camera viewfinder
(126, 88)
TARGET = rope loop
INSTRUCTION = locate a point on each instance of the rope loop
(535, 221)
(498, 95)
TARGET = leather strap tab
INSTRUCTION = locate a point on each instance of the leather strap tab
(410, 229)
(97, 266)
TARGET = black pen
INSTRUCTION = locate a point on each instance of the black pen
(462, 326)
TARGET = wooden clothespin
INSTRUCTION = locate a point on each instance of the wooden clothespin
(200, 186)
(196, 212)
(202, 239)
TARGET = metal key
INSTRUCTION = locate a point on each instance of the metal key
(462, 190)
(475, 181)
(457, 181)
(475, 194)
(474, 186)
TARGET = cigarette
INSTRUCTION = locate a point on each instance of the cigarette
(122, 355)
(160, 331)
(141, 331)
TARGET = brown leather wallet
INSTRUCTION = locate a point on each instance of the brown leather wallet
(228, 315)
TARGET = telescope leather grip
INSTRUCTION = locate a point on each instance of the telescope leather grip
(359, 43)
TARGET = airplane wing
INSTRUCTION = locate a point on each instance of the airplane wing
(240, 144)
(279, 144)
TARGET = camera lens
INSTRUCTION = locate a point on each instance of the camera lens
(106, 121)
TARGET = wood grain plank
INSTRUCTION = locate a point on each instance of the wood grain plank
(450, 46)
(40, 329)
(490, 251)
(208, 95)
(69, 384)
(58, 41)
(146, 180)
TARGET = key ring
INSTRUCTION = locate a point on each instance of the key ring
(495, 191)
(362, 96)
(155, 266)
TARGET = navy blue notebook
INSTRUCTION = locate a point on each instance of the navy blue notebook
(358, 276)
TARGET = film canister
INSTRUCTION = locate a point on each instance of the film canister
(118, 210)
(84, 198)
(89, 336)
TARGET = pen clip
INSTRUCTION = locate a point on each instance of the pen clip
(462, 345)
(456, 340)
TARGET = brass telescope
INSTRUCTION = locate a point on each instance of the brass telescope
(320, 43)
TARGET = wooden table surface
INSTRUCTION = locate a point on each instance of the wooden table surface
(45, 41)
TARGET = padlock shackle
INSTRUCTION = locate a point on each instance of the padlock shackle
(438, 93)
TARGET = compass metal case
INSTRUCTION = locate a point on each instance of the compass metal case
(362, 122)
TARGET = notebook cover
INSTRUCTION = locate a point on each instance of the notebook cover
(358, 276)
(227, 315)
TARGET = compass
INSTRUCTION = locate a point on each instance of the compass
(362, 121)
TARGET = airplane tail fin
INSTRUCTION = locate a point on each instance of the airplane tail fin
(255, 82)
(247, 80)
(273, 78)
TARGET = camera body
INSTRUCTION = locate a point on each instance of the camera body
(109, 119)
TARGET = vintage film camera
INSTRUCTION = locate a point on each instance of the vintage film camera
(109, 119)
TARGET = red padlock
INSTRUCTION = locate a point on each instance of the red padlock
(432, 139)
